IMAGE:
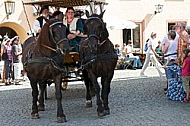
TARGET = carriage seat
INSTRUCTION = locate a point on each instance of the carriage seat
(72, 57)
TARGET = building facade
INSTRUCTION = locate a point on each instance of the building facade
(142, 12)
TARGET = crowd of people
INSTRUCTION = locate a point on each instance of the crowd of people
(172, 54)
(12, 63)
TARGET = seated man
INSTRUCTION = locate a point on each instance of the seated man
(117, 51)
(129, 55)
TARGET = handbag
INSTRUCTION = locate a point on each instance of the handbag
(4, 56)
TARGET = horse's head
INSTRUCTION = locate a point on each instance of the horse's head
(57, 34)
(96, 30)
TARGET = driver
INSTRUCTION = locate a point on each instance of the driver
(40, 21)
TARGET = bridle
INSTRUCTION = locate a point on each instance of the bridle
(98, 37)
(53, 39)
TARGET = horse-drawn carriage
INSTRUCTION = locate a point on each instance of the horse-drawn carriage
(41, 58)
(71, 61)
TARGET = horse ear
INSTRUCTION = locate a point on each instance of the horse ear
(87, 13)
(101, 15)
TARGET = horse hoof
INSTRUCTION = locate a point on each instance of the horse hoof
(41, 108)
(61, 119)
(107, 112)
(104, 113)
(101, 114)
(35, 116)
(88, 103)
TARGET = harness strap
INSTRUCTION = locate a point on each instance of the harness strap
(49, 47)
(47, 60)
(90, 59)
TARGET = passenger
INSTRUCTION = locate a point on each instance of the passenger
(129, 55)
(74, 29)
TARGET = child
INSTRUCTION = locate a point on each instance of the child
(185, 73)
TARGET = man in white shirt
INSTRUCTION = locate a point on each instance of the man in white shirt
(40, 21)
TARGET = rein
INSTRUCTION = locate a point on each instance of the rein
(49, 47)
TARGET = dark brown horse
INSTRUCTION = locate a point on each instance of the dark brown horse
(98, 60)
(43, 60)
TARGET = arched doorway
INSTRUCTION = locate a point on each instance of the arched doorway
(7, 31)
(12, 29)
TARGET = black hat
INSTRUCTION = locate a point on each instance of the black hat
(79, 13)
(43, 8)
(56, 13)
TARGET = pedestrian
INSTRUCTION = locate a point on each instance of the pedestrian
(159, 49)
(8, 62)
(151, 55)
(183, 41)
(169, 49)
(173, 50)
(185, 73)
(16, 53)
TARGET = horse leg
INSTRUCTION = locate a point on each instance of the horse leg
(100, 108)
(34, 113)
(87, 84)
(105, 93)
(41, 106)
(60, 115)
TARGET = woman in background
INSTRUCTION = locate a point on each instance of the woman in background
(8, 62)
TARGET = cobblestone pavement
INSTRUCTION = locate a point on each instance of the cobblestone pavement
(134, 101)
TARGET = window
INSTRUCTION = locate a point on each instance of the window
(132, 34)
(171, 24)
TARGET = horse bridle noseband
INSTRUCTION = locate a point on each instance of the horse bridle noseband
(94, 35)
(52, 38)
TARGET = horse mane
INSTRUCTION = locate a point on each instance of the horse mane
(105, 33)
(44, 34)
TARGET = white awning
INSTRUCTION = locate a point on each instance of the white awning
(114, 22)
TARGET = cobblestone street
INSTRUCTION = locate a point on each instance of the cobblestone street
(133, 101)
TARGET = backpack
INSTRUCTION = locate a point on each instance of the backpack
(146, 47)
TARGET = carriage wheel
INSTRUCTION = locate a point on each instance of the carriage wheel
(64, 84)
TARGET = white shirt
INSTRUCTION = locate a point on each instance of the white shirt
(172, 49)
(151, 42)
(129, 50)
(36, 25)
(165, 39)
